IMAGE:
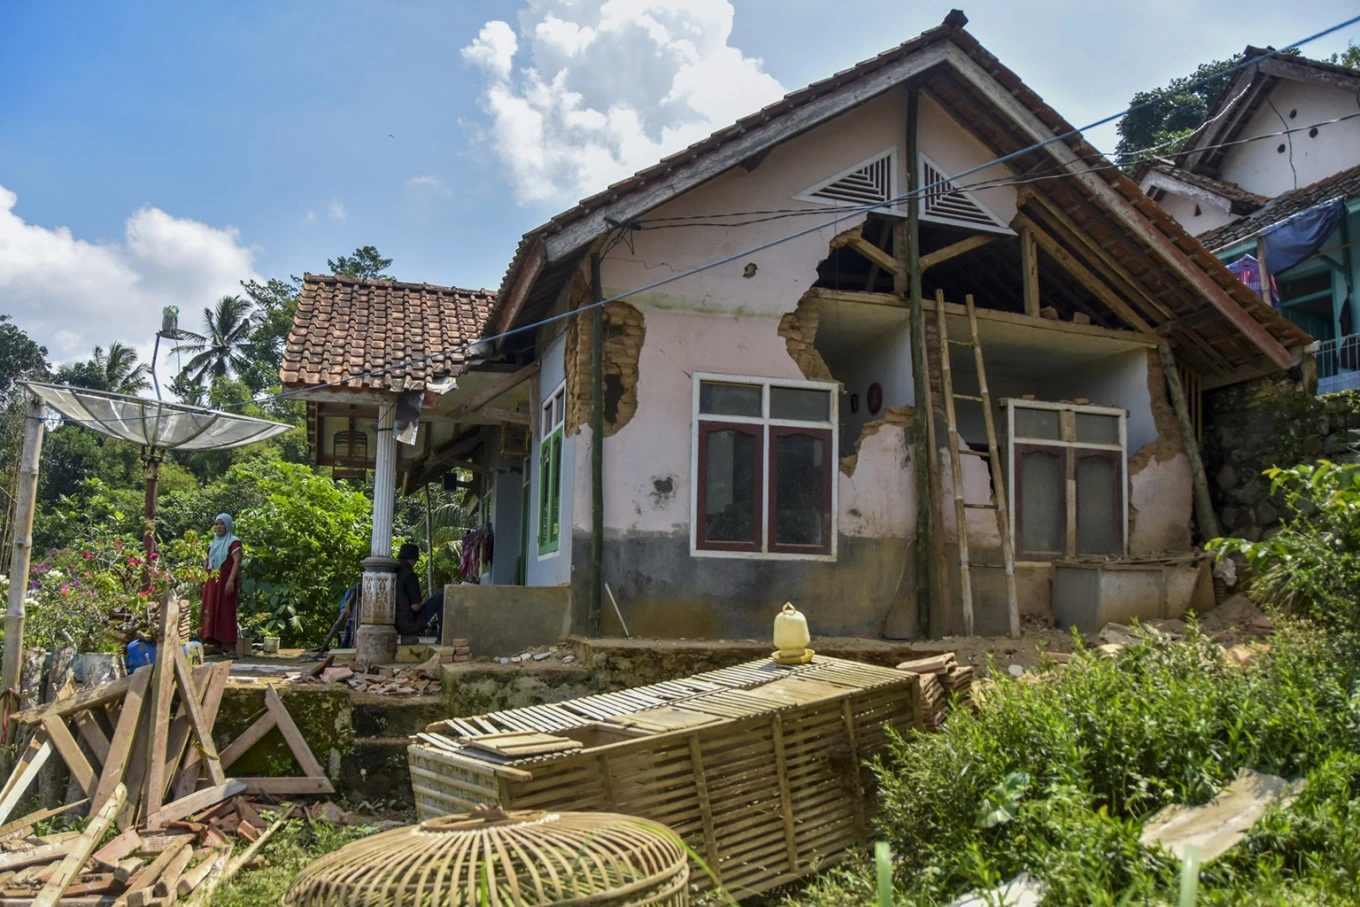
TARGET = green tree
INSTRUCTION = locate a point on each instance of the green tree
(275, 304)
(1161, 120)
(366, 263)
(1350, 57)
(20, 358)
(116, 371)
(220, 350)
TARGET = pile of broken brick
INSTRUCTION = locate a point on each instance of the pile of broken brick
(387, 680)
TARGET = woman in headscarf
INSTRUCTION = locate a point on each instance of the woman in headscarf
(222, 591)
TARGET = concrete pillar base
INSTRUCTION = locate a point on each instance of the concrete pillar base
(374, 644)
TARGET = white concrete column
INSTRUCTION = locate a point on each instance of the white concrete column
(384, 482)
(376, 639)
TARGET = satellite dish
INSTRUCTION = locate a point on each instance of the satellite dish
(155, 425)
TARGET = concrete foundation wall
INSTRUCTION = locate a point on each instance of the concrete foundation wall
(506, 620)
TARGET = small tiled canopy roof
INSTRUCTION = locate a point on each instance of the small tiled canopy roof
(1345, 184)
(347, 327)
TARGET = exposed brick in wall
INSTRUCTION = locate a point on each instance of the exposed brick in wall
(799, 330)
(624, 333)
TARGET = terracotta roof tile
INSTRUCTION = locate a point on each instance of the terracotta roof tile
(1346, 184)
(346, 326)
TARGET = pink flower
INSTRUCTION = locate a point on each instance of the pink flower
(86, 555)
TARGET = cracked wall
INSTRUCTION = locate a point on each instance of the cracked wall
(624, 334)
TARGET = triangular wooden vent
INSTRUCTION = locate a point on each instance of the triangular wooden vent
(951, 205)
(866, 183)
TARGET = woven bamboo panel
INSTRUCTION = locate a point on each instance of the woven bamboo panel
(757, 767)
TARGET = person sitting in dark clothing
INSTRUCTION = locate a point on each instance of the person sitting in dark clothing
(414, 614)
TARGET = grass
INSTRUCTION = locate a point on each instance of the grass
(291, 848)
(1056, 779)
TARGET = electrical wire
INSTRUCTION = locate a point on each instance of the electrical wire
(841, 215)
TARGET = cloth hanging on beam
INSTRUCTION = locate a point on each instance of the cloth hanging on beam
(1295, 238)
(1248, 270)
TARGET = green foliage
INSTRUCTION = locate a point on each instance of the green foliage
(1350, 57)
(1079, 762)
(117, 371)
(304, 541)
(291, 849)
(20, 358)
(366, 262)
(220, 351)
(1312, 565)
(1171, 113)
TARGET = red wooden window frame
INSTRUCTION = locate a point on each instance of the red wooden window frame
(828, 476)
(756, 431)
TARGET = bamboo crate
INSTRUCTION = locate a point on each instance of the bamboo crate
(757, 767)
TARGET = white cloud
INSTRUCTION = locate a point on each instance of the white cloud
(309, 218)
(604, 88)
(336, 211)
(70, 294)
(428, 187)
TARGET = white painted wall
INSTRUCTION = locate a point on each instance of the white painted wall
(1259, 166)
(1183, 209)
(885, 361)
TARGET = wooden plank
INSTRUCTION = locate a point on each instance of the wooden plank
(85, 699)
(82, 848)
(781, 770)
(1029, 272)
(93, 735)
(505, 415)
(303, 753)
(1136, 222)
(191, 879)
(202, 728)
(956, 249)
(199, 800)
(148, 875)
(167, 886)
(120, 847)
(217, 684)
(286, 787)
(46, 853)
(162, 692)
(485, 396)
(10, 828)
(873, 253)
(71, 754)
(955, 466)
(249, 737)
(180, 727)
(124, 735)
(25, 770)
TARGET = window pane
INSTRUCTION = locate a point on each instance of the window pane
(1099, 513)
(800, 403)
(1095, 429)
(559, 407)
(1036, 423)
(1040, 501)
(799, 489)
(729, 399)
(729, 487)
(556, 487)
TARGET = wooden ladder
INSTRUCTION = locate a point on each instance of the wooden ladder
(993, 455)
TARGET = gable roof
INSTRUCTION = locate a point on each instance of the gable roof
(1218, 325)
(346, 326)
(1205, 153)
(1345, 184)
(1240, 200)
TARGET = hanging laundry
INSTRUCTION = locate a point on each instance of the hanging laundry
(1248, 270)
(1295, 238)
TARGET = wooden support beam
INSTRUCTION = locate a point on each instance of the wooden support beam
(1029, 272)
(827, 294)
(80, 851)
(71, 754)
(505, 415)
(38, 751)
(956, 249)
(120, 745)
(1135, 221)
(486, 395)
(1204, 505)
(873, 253)
(1073, 266)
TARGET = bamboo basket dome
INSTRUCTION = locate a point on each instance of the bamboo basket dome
(496, 858)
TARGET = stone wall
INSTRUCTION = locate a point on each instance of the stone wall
(1273, 421)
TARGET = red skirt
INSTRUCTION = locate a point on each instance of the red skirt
(217, 616)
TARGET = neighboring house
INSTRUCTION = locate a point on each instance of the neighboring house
(1282, 140)
(763, 427)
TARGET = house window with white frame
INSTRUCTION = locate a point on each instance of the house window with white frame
(764, 467)
(1068, 474)
(550, 471)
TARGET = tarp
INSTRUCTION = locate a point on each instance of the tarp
(1295, 238)
(154, 423)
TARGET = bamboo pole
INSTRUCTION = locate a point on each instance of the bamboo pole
(1204, 504)
(596, 446)
(22, 550)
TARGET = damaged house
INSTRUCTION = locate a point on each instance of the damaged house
(779, 404)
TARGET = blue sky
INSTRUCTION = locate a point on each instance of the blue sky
(156, 152)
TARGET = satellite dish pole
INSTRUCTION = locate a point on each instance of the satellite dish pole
(170, 331)
(152, 455)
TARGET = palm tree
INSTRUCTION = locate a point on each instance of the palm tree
(119, 370)
(220, 348)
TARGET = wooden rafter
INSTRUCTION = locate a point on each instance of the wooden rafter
(486, 395)
(956, 249)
